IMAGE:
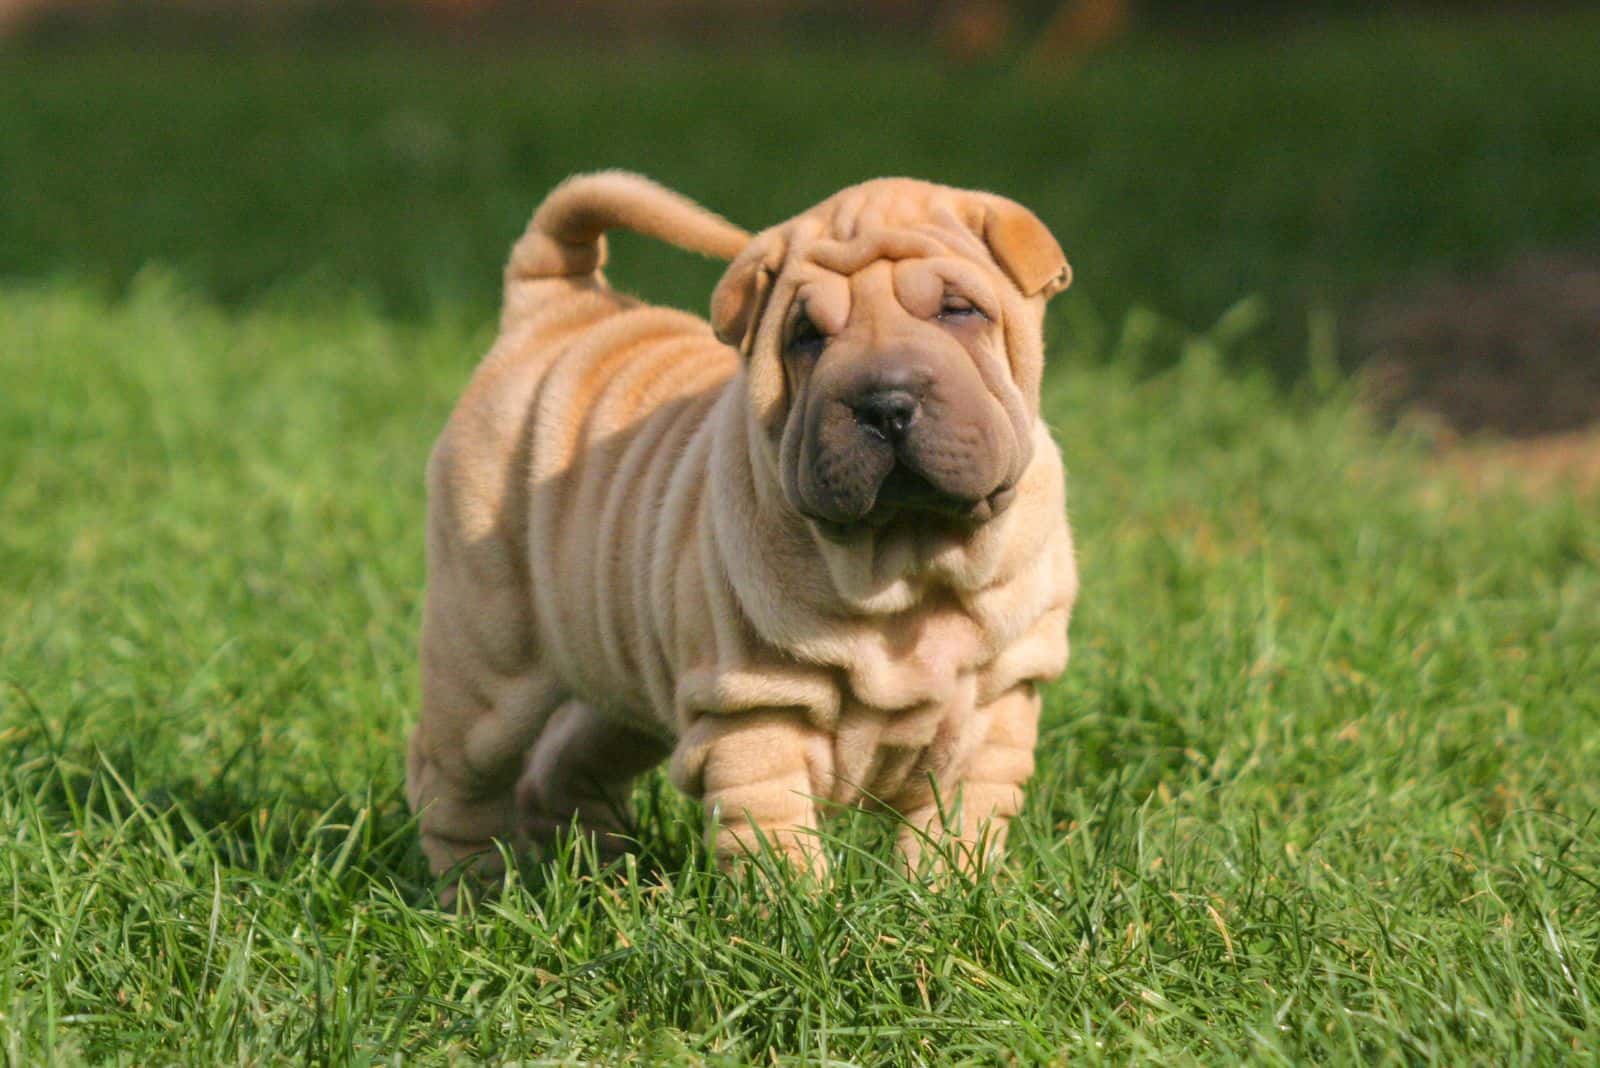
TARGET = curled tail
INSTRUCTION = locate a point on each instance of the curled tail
(565, 239)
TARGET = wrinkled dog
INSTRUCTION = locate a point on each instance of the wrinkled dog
(815, 551)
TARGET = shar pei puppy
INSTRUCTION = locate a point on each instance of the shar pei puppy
(814, 551)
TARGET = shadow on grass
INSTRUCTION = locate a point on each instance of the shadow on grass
(104, 797)
(334, 840)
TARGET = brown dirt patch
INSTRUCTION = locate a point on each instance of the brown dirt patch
(1506, 364)
(1543, 465)
(1514, 352)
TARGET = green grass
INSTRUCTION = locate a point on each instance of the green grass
(1320, 781)
(1319, 784)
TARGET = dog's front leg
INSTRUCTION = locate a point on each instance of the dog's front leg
(761, 782)
(969, 809)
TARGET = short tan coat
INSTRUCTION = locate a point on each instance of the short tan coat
(622, 566)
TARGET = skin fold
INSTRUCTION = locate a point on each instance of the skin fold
(814, 552)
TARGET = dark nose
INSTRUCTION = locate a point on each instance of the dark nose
(887, 412)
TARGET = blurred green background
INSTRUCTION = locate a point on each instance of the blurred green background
(1187, 156)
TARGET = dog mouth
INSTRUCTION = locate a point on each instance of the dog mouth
(898, 453)
(906, 497)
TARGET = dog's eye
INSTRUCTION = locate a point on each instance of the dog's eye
(804, 337)
(955, 307)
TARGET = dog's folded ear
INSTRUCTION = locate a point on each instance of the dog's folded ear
(1024, 248)
(740, 296)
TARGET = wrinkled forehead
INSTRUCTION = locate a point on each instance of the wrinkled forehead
(905, 240)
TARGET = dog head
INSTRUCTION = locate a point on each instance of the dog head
(893, 351)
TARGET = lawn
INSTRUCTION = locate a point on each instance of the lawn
(1320, 782)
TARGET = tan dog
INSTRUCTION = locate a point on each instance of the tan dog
(819, 556)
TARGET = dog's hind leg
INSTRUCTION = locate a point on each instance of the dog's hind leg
(464, 760)
(582, 768)
(486, 696)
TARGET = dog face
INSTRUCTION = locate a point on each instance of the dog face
(892, 339)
